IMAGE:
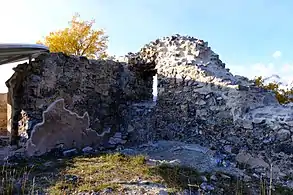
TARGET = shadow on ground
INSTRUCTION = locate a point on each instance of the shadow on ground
(31, 176)
(116, 173)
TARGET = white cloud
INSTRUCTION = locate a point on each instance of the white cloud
(277, 54)
(285, 71)
(287, 68)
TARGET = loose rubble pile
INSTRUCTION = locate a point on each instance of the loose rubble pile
(199, 101)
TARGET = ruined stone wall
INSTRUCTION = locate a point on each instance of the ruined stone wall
(3, 114)
(200, 101)
(70, 101)
(100, 88)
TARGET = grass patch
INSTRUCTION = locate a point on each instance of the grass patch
(111, 171)
(283, 191)
(178, 177)
(78, 174)
(105, 171)
(27, 177)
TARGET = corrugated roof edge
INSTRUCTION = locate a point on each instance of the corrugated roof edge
(15, 52)
(24, 46)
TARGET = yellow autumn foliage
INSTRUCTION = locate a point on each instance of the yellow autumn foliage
(78, 39)
(283, 96)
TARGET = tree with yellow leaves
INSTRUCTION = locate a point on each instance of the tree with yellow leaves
(283, 96)
(78, 39)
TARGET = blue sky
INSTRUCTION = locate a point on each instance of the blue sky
(245, 33)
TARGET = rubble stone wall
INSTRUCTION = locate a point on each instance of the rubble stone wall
(72, 102)
(199, 100)
(98, 87)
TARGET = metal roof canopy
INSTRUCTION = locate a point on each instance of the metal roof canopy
(14, 52)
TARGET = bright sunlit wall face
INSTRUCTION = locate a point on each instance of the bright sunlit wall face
(155, 88)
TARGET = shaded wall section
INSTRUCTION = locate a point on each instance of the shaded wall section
(99, 87)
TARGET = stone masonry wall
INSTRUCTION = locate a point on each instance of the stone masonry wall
(200, 101)
(99, 88)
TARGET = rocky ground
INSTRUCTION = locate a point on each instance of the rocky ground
(163, 167)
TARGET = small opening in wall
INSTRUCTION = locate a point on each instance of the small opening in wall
(155, 88)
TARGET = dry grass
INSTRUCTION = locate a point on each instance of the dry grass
(79, 174)
(14, 180)
(107, 171)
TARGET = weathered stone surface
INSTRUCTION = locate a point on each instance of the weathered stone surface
(95, 86)
(253, 162)
(198, 98)
(88, 150)
(199, 101)
(61, 127)
(283, 134)
(70, 152)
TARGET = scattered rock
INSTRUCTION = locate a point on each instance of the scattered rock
(71, 178)
(207, 187)
(117, 139)
(283, 134)
(88, 150)
(225, 176)
(214, 178)
(70, 152)
(228, 148)
(107, 191)
(253, 162)
(163, 192)
(203, 178)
